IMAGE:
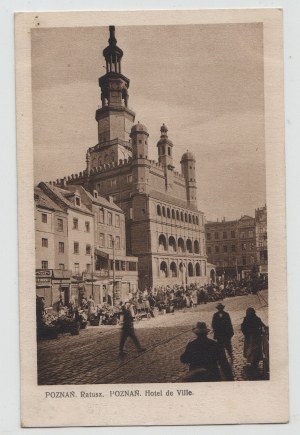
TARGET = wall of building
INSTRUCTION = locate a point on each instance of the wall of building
(81, 236)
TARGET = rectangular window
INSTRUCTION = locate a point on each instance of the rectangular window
(208, 235)
(232, 234)
(88, 268)
(76, 248)
(113, 182)
(224, 248)
(216, 236)
(117, 244)
(242, 235)
(61, 266)
(244, 261)
(98, 187)
(60, 225)
(233, 248)
(101, 215)
(244, 246)
(132, 266)
(224, 235)
(117, 219)
(75, 224)
(209, 250)
(110, 239)
(216, 248)
(44, 218)
(61, 247)
(87, 227)
(88, 249)
(44, 264)
(109, 218)
(250, 233)
(129, 178)
(45, 243)
(76, 268)
(77, 201)
(101, 240)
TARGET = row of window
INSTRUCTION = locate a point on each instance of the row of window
(243, 235)
(119, 265)
(244, 247)
(114, 182)
(110, 241)
(108, 218)
(234, 263)
(76, 225)
(170, 244)
(173, 272)
(176, 214)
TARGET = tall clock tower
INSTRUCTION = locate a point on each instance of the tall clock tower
(114, 118)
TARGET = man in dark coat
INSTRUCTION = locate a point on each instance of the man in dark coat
(205, 357)
(223, 330)
(128, 330)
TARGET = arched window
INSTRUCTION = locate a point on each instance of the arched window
(158, 210)
(173, 269)
(185, 217)
(196, 247)
(163, 269)
(181, 245)
(163, 211)
(173, 214)
(181, 216)
(197, 220)
(172, 244)
(169, 151)
(190, 270)
(177, 215)
(190, 219)
(168, 213)
(162, 243)
(198, 269)
(189, 246)
(193, 217)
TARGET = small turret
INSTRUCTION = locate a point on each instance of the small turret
(188, 169)
(165, 146)
(139, 139)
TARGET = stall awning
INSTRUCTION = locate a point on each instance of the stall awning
(101, 253)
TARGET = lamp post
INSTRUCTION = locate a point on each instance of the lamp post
(114, 271)
(92, 261)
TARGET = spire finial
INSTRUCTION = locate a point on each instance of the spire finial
(163, 130)
(112, 39)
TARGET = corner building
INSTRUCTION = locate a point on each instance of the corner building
(164, 227)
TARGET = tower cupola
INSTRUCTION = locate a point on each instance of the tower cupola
(139, 140)
(165, 146)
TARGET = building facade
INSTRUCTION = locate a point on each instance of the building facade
(239, 247)
(164, 227)
(51, 234)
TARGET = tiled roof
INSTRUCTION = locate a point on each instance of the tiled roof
(42, 200)
(100, 200)
(63, 194)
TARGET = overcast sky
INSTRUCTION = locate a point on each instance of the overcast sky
(205, 82)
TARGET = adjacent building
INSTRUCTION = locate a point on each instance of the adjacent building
(238, 247)
(164, 227)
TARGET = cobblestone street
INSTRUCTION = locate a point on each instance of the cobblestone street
(92, 357)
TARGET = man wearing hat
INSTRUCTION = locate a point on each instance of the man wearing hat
(223, 330)
(206, 358)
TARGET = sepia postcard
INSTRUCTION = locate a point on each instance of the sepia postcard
(151, 205)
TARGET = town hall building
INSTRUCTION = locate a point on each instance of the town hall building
(164, 227)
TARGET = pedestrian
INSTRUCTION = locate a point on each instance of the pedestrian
(222, 327)
(204, 357)
(128, 330)
(91, 306)
(252, 328)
